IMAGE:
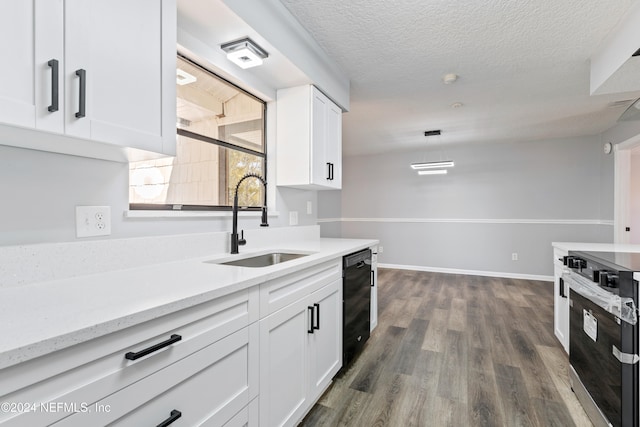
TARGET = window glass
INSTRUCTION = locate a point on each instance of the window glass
(220, 139)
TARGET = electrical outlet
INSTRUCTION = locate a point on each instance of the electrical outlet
(93, 221)
(293, 218)
(514, 256)
(380, 249)
(309, 207)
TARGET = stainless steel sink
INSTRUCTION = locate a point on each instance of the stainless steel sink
(263, 260)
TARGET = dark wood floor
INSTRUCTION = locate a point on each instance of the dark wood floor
(455, 350)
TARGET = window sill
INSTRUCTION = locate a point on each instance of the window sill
(143, 214)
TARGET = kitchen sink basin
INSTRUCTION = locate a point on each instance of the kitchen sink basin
(263, 260)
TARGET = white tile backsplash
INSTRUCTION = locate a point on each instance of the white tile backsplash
(26, 264)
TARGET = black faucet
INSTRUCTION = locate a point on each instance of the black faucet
(239, 240)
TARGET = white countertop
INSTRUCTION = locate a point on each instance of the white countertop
(43, 317)
(599, 247)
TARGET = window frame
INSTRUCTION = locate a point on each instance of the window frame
(219, 143)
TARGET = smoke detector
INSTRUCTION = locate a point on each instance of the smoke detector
(449, 78)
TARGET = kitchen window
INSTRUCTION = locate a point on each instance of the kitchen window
(221, 137)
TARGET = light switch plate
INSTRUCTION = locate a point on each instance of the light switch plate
(309, 207)
(93, 221)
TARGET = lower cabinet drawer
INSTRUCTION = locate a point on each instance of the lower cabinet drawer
(279, 293)
(88, 372)
(247, 417)
(209, 388)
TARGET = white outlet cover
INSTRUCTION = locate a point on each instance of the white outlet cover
(93, 221)
(293, 218)
(309, 207)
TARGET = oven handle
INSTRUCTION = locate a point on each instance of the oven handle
(626, 358)
(623, 308)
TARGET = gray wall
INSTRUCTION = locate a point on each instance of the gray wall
(561, 180)
(41, 190)
(330, 209)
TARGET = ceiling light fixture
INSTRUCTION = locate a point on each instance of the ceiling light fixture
(245, 53)
(432, 168)
(432, 165)
(433, 172)
(184, 78)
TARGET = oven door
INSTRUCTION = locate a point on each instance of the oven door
(593, 333)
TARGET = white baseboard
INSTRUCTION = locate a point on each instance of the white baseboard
(468, 272)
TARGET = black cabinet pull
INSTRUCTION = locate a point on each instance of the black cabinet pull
(83, 93)
(373, 279)
(331, 171)
(328, 171)
(133, 356)
(53, 63)
(561, 290)
(310, 330)
(317, 326)
(175, 414)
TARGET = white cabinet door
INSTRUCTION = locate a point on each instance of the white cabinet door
(309, 129)
(561, 308)
(31, 35)
(120, 47)
(334, 145)
(283, 365)
(325, 343)
(320, 166)
(374, 288)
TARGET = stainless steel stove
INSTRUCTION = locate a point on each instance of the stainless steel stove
(603, 335)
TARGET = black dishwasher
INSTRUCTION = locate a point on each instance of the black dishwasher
(356, 303)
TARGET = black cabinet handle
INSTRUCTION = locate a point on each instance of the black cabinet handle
(331, 171)
(133, 356)
(373, 279)
(328, 171)
(175, 414)
(561, 290)
(317, 306)
(53, 63)
(83, 93)
(310, 330)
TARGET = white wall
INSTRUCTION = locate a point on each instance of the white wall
(41, 190)
(499, 199)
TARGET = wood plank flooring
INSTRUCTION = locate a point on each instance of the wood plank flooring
(455, 350)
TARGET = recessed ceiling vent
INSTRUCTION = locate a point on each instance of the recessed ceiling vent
(432, 132)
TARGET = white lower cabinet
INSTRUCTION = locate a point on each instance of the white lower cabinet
(98, 375)
(325, 343)
(258, 357)
(207, 388)
(374, 288)
(300, 352)
(560, 301)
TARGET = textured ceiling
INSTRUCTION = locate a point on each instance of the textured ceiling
(523, 68)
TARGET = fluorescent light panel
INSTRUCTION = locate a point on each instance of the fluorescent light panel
(432, 165)
(433, 172)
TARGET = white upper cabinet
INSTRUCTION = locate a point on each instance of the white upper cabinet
(309, 139)
(115, 66)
